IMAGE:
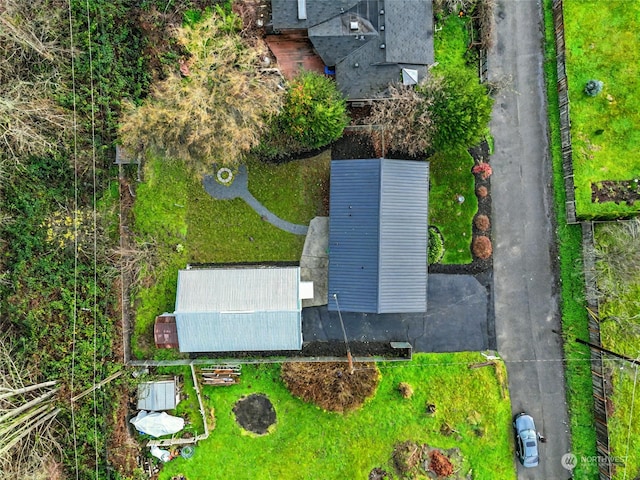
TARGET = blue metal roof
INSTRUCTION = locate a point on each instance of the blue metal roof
(354, 234)
(378, 235)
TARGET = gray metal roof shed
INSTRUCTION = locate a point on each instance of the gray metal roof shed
(158, 395)
(239, 309)
(378, 235)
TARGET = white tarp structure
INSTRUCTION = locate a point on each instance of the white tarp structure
(157, 424)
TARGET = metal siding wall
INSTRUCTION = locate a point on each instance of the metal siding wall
(353, 234)
(259, 331)
(403, 236)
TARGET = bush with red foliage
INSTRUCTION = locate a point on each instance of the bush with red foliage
(482, 169)
(440, 465)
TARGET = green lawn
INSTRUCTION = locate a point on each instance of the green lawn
(184, 225)
(450, 171)
(309, 443)
(602, 44)
(624, 428)
(450, 176)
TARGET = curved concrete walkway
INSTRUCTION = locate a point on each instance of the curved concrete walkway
(525, 281)
(239, 188)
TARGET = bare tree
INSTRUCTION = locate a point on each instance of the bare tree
(405, 119)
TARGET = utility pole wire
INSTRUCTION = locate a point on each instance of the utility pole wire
(344, 334)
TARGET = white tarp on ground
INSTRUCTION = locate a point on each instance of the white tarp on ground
(157, 424)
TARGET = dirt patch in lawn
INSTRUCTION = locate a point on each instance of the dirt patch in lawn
(623, 191)
(255, 413)
(411, 459)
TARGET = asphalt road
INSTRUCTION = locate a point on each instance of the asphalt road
(526, 302)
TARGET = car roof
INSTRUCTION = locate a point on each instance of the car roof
(525, 422)
(526, 430)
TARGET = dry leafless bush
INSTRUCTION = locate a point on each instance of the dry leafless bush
(446, 7)
(133, 258)
(330, 385)
(486, 24)
(30, 121)
(482, 223)
(405, 119)
(27, 419)
(481, 247)
(405, 390)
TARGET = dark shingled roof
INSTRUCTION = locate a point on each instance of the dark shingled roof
(390, 35)
(378, 235)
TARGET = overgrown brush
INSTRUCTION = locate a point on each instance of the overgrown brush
(331, 385)
(216, 109)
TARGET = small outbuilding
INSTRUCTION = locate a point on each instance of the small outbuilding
(239, 309)
(158, 395)
(165, 332)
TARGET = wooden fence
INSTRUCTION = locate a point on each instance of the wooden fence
(483, 69)
(597, 371)
(565, 120)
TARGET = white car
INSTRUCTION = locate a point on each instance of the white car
(526, 440)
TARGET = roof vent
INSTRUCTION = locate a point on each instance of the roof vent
(382, 28)
(355, 65)
(382, 11)
(353, 25)
(302, 9)
(382, 46)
